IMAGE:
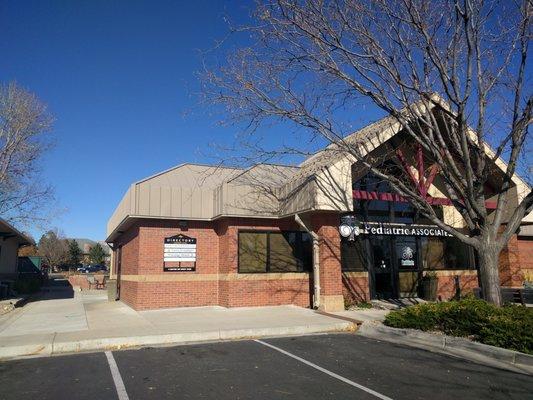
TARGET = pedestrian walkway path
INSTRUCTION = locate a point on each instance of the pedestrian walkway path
(364, 315)
(63, 322)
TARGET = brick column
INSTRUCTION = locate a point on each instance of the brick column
(509, 264)
(326, 226)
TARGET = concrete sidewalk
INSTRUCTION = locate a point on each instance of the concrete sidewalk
(59, 323)
(364, 314)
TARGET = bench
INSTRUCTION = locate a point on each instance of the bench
(512, 295)
(96, 283)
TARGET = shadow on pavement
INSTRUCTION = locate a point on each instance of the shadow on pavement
(57, 287)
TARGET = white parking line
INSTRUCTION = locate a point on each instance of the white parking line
(332, 374)
(115, 373)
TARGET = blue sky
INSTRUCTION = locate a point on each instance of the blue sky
(119, 78)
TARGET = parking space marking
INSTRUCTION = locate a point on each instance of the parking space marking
(115, 373)
(325, 371)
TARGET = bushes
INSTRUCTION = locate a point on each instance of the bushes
(510, 327)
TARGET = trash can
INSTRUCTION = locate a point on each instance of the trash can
(111, 289)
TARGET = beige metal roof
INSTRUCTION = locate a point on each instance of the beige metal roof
(184, 191)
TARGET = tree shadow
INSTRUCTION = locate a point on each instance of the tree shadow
(57, 287)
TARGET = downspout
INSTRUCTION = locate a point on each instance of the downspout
(316, 262)
(112, 260)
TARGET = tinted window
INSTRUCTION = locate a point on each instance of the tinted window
(274, 252)
(353, 254)
(252, 252)
(445, 253)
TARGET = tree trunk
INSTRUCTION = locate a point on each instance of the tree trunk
(489, 275)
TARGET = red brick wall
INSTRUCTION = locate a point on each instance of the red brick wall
(151, 295)
(355, 288)
(80, 280)
(525, 254)
(246, 293)
(255, 291)
(511, 259)
(129, 242)
(128, 294)
(130, 250)
(446, 285)
(152, 235)
(217, 253)
(326, 225)
(142, 254)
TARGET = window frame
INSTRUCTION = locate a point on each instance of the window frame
(268, 232)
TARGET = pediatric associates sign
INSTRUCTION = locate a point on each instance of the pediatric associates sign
(402, 230)
(349, 231)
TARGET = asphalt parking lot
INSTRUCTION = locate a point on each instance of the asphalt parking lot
(340, 366)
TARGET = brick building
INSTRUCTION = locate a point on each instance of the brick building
(198, 235)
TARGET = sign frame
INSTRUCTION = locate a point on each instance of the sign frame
(179, 248)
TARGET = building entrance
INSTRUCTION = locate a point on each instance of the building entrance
(394, 265)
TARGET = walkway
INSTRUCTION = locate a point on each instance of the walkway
(66, 321)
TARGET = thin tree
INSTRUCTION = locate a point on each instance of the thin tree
(450, 74)
(24, 138)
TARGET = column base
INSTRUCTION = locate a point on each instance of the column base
(332, 303)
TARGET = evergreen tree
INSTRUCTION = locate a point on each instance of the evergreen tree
(74, 253)
(97, 254)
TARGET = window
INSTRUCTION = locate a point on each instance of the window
(445, 253)
(252, 252)
(274, 252)
(353, 254)
(432, 249)
(383, 210)
(458, 254)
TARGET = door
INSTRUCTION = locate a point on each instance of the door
(407, 265)
(383, 271)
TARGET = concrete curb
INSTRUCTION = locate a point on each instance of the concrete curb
(455, 346)
(114, 343)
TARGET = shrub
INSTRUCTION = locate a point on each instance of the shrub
(510, 327)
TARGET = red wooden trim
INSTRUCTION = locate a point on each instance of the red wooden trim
(432, 174)
(405, 166)
(491, 205)
(420, 162)
(394, 197)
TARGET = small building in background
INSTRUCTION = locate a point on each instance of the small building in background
(11, 240)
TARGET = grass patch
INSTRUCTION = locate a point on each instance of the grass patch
(509, 327)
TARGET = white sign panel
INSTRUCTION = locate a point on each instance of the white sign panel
(179, 248)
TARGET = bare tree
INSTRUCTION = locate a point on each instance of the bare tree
(53, 247)
(24, 128)
(451, 74)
